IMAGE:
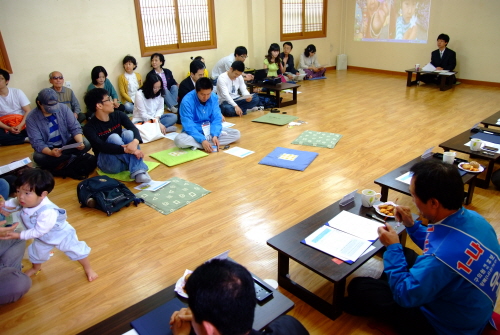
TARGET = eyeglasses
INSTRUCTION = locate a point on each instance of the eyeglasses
(56, 78)
(109, 99)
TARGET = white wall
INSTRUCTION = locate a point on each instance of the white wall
(73, 36)
(473, 28)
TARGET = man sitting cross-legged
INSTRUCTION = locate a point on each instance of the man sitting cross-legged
(116, 149)
(228, 84)
(202, 120)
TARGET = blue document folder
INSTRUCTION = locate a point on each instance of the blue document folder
(157, 322)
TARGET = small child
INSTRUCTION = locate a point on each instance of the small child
(45, 223)
(129, 83)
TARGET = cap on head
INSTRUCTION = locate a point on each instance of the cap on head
(48, 99)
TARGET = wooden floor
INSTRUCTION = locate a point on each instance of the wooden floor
(138, 251)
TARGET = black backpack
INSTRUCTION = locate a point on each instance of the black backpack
(106, 194)
(78, 167)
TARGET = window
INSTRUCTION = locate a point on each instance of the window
(171, 26)
(4, 59)
(302, 19)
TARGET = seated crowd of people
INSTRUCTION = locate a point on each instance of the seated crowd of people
(451, 288)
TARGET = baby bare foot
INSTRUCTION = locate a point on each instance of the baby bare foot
(32, 272)
(91, 274)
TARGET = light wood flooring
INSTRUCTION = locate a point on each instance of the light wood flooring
(138, 251)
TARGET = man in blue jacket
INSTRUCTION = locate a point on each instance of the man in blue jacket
(451, 288)
(202, 120)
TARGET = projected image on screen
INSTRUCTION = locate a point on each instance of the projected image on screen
(404, 21)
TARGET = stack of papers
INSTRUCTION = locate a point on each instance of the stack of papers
(347, 236)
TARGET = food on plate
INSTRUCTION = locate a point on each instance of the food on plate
(386, 209)
(185, 281)
(472, 166)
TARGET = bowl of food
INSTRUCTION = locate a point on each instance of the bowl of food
(180, 286)
(385, 209)
(471, 166)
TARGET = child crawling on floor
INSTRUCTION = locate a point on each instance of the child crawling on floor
(45, 223)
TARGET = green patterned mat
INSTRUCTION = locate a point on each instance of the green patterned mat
(125, 175)
(318, 139)
(173, 196)
(277, 119)
(177, 156)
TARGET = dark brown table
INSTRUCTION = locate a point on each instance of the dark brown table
(457, 144)
(289, 247)
(492, 120)
(119, 323)
(388, 181)
(277, 89)
(444, 85)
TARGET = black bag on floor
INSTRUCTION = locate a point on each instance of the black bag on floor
(78, 167)
(105, 194)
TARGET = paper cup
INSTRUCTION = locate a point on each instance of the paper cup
(449, 157)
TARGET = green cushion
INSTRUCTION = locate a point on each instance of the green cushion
(178, 193)
(277, 119)
(317, 139)
(125, 175)
(177, 156)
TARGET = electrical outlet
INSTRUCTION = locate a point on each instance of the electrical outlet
(67, 84)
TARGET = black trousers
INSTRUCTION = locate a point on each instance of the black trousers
(12, 139)
(373, 297)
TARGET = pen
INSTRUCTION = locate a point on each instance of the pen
(374, 217)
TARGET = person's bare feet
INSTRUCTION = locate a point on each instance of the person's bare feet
(32, 272)
(91, 274)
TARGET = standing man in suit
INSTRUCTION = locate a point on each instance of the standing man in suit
(442, 58)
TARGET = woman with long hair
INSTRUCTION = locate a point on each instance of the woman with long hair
(149, 104)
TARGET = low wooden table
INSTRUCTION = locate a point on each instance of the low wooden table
(443, 85)
(492, 120)
(119, 323)
(388, 181)
(277, 89)
(457, 144)
(289, 247)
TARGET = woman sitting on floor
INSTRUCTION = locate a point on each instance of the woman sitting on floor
(309, 63)
(149, 104)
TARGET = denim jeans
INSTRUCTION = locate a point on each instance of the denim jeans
(129, 107)
(171, 96)
(168, 119)
(228, 110)
(109, 163)
(4, 192)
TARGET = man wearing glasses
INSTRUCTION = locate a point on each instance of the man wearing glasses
(65, 95)
(223, 65)
(231, 103)
(116, 149)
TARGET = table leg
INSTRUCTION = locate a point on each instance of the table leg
(384, 193)
(294, 95)
(333, 310)
(408, 81)
(470, 191)
(278, 100)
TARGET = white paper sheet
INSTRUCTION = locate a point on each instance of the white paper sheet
(356, 225)
(429, 67)
(14, 165)
(171, 136)
(71, 146)
(337, 243)
(227, 124)
(238, 152)
(405, 178)
(151, 186)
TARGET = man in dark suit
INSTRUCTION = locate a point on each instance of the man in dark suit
(196, 71)
(442, 58)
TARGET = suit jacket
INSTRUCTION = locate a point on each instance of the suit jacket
(447, 62)
(185, 87)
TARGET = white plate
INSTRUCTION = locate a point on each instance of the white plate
(385, 203)
(179, 285)
(481, 168)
